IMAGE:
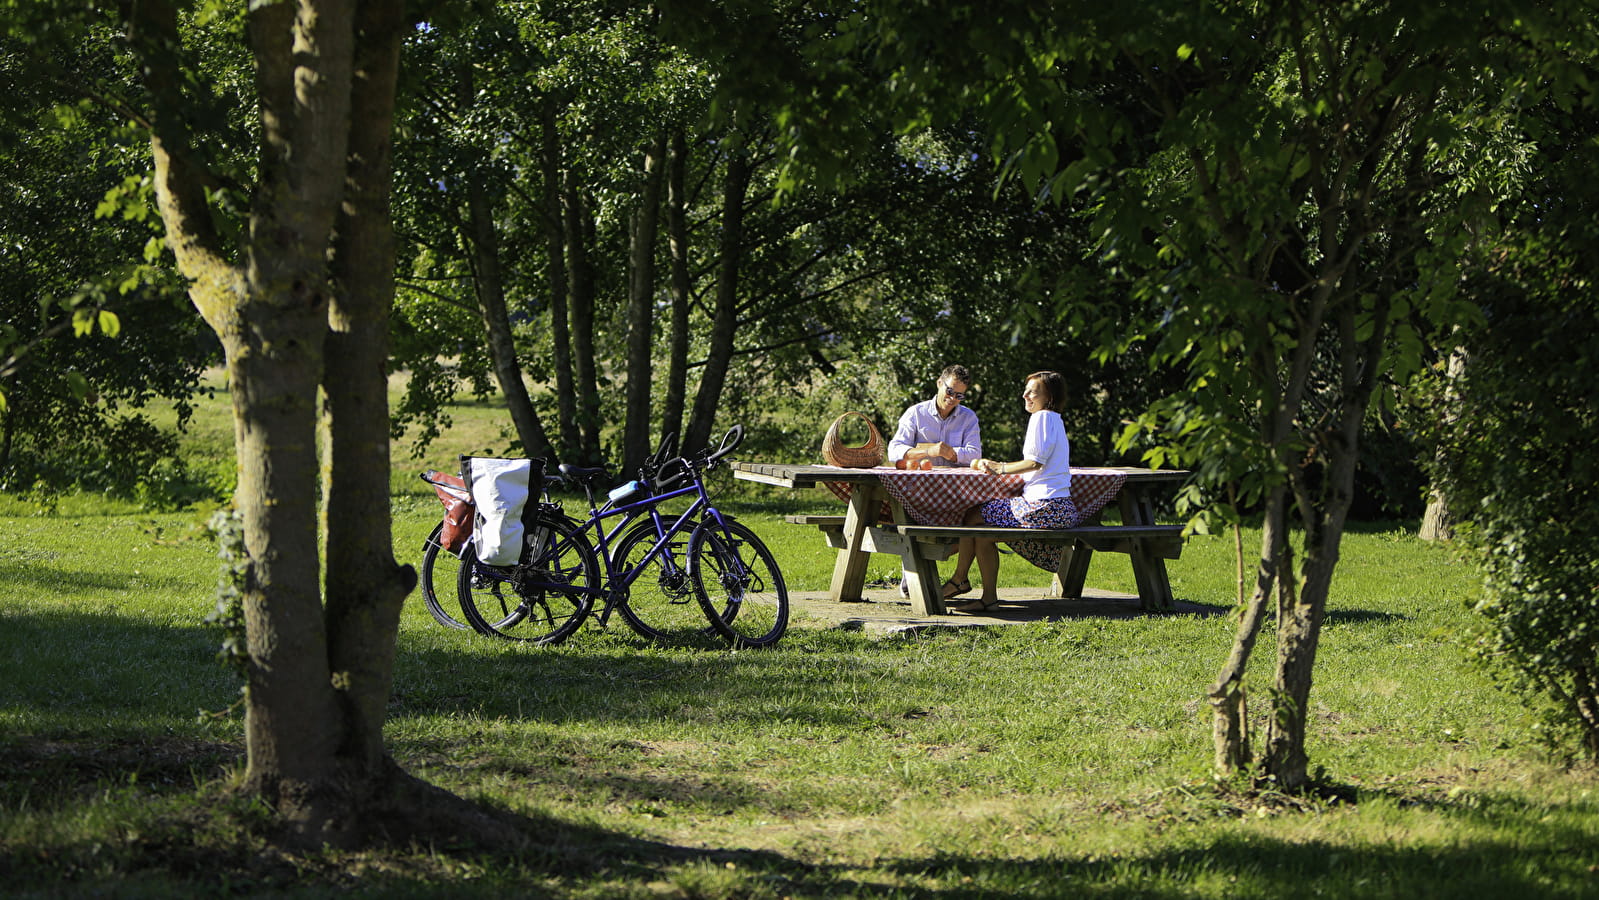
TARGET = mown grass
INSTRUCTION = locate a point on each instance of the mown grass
(1042, 760)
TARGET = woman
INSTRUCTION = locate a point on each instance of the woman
(1046, 500)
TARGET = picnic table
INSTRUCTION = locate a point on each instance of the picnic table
(916, 515)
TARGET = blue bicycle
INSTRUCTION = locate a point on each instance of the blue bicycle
(667, 576)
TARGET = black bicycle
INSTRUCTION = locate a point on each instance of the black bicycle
(668, 576)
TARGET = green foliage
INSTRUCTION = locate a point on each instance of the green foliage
(227, 528)
(96, 329)
(1521, 464)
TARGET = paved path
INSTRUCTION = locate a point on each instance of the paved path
(883, 610)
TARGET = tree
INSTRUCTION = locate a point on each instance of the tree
(318, 674)
(1283, 188)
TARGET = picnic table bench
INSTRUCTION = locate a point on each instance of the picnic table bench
(916, 515)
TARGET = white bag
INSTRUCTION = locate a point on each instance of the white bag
(500, 489)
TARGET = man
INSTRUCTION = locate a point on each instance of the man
(940, 431)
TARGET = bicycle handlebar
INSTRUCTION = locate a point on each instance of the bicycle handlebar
(730, 442)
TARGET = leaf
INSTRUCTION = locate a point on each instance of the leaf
(109, 323)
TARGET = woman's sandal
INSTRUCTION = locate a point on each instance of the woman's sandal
(976, 606)
(953, 588)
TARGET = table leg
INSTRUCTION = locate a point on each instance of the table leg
(1149, 571)
(927, 592)
(849, 570)
(1072, 574)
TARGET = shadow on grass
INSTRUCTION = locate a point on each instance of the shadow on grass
(1508, 851)
(48, 579)
(1495, 849)
(1363, 617)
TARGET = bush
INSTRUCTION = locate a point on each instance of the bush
(1521, 467)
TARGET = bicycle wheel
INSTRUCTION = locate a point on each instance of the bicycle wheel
(439, 566)
(662, 603)
(738, 584)
(542, 600)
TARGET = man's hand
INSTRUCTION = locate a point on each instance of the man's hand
(931, 450)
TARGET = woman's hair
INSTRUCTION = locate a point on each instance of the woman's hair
(1054, 386)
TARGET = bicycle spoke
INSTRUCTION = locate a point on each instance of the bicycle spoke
(662, 602)
(542, 600)
(739, 585)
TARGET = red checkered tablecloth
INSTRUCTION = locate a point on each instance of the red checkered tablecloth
(942, 496)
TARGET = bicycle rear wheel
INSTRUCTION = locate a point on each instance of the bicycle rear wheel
(662, 603)
(542, 600)
(439, 567)
(738, 584)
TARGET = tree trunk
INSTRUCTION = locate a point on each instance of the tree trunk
(641, 313)
(1438, 523)
(581, 294)
(725, 322)
(677, 235)
(8, 427)
(490, 284)
(556, 274)
(271, 315)
(1300, 618)
(316, 687)
(1228, 697)
(365, 586)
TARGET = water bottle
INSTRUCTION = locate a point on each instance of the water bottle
(622, 492)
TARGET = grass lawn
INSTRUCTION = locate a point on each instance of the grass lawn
(1043, 760)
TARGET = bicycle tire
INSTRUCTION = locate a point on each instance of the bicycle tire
(739, 585)
(435, 558)
(662, 603)
(540, 601)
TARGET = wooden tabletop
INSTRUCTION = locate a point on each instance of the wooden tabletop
(801, 475)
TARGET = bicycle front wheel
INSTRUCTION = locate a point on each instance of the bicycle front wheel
(542, 600)
(662, 603)
(442, 568)
(738, 584)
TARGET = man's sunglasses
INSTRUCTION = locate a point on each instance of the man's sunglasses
(955, 394)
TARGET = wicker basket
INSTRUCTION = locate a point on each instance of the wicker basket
(870, 454)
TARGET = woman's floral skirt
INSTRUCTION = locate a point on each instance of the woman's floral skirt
(1014, 512)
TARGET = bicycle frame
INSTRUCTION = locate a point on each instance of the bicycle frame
(614, 588)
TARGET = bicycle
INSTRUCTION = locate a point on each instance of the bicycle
(451, 540)
(722, 566)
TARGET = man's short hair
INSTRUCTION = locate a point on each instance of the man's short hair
(955, 373)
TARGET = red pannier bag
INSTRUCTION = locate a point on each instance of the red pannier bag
(458, 509)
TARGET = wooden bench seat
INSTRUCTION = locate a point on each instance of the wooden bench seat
(1144, 543)
(820, 521)
(1163, 541)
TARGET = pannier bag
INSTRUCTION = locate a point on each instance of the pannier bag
(501, 488)
(458, 509)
